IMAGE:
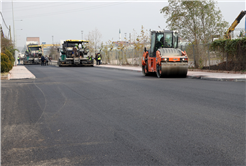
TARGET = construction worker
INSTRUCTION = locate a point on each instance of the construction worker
(46, 60)
(159, 44)
(40, 51)
(42, 60)
(89, 58)
(99, 58)
(18, 59)
(76, 47)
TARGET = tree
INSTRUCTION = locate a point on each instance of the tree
(53, 52)
(94, 38)
(107, 48)
(6, 64)
(140, 41)
(7, 48)
(196, 21)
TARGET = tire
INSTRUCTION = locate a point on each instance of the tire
(59, 64)
(145, 70)
(159, 73)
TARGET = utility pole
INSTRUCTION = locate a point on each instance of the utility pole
(82, 35)
(52, 40)
(10, 36)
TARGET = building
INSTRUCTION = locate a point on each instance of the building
(32, 40)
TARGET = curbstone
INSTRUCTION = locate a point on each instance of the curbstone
(5, 76)
(202, 77)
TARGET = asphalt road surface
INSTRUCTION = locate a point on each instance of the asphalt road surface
(94, 116)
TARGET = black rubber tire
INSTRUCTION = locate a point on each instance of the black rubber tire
(159, 74)
(59, 64)
(143, 71)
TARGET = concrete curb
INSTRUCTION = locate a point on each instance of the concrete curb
(216, 79)
(31, 78)
(20, 72)
(5, 76)
(118, 68)
(188, 76)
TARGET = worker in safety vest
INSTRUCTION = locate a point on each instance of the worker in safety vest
(89, 58)
(18, 60)
(99, 57)
(76, 47)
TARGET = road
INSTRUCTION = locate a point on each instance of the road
(94, 116)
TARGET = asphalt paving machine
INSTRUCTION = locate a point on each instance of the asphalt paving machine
(164, 57)
(75, 53)
(33, 54)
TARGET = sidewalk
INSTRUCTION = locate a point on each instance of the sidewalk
(20, 72)
(197, 74)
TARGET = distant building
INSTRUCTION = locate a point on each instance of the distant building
(32, 40)
(117, 43)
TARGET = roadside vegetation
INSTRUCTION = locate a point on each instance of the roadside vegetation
(7, 54)
(233, 51)
(126, 50)
(197, 22)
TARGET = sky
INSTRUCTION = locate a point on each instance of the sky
(56, 20)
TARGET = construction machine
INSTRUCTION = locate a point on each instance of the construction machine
(75, 53)
(164, 57)
(234, 24)
(33, 54)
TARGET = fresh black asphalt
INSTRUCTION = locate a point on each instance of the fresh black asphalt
(94, 116)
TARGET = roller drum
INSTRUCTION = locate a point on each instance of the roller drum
(173, 70)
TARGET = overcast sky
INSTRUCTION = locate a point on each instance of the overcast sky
(65, 19)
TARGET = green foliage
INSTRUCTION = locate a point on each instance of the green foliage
(6, 43)
(6, 64)
(11, 49)
(196, 21)
(235, 50)
(10, 56)
(230, 46)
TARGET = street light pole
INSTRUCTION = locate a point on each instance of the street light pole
(14, 34)
(1, 10)
(82, 35)
(52, 40)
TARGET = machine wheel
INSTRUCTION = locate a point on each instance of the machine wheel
(158, 71)
(145, 70)
(59, 64)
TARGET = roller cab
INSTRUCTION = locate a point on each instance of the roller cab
(164, 57)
